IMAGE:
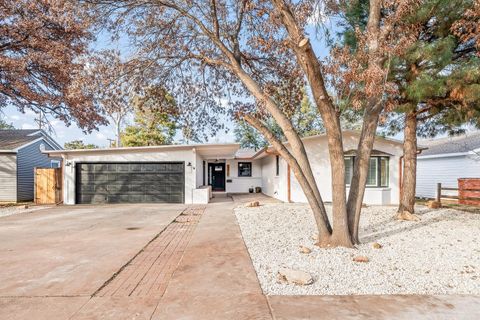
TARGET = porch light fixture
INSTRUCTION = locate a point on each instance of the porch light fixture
(189, 164)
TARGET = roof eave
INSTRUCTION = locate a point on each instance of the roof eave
(444, 155)
(146, 148)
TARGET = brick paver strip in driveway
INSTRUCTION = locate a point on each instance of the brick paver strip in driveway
(149, 272)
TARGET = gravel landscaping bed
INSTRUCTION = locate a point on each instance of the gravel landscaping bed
(438, 255)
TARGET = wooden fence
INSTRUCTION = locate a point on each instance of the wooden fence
(48, 185)
(468, 193)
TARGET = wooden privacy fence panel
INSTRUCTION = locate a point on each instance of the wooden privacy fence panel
(48, 185)
(469, 191)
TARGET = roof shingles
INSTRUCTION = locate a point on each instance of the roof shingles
(13, 139)
(458, 144)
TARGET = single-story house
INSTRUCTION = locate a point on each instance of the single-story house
(181, 173)
(20, 152)
(445, 161)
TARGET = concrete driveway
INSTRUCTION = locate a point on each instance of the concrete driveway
(70, 251)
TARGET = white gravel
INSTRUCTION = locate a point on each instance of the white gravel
(16, 209)
(438, 255)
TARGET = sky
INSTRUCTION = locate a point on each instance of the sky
(100, 137)
(63, 133)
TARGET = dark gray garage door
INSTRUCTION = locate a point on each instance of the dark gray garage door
(130, 182)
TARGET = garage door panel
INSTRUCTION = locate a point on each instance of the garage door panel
(92, 198)
(130, 182)
(157, 198)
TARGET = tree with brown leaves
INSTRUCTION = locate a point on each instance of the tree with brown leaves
(106, 80)
(39, 44)
(256, 54)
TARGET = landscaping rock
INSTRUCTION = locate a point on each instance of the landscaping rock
(408, 250)
(432, 204)
(407, 216)
(305, 250)
(361, 259)
(377, 245)
(253, 204)
(295, 276)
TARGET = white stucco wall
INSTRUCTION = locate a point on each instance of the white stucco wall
(317, 151)
(242, 184)
(186, 155)
(198, 170)
(273, 185)
(445, 170)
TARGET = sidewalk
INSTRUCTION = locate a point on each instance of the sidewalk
(215, 279)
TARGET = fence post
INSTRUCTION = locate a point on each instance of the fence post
(439, 191)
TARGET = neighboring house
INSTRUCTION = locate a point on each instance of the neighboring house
(20, 153)
(175, 173)
(445, 161)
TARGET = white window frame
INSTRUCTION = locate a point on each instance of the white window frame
(377, 176)
(376, 172)
(57, 162)
(352, 161)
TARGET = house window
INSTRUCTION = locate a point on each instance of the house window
(378, 171)
(277, 165)
(244, 169)
(54, 164)
(384, 171)
(348, 170)
(372, 178)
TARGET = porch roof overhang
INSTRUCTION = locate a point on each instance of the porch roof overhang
(224, 151)
(215, 151)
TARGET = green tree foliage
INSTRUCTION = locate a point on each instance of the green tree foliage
(305, 119)
(78, 144)
(4, 124)
(438, 77)
(155, 120)
(248, 137)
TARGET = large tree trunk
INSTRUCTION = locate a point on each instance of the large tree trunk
(369, 127)
(409, 174)
(345, 218)
(325, 236)
(296, 144)
(340, 235)
(360, 170)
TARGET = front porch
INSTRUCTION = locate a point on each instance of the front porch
(222, 171)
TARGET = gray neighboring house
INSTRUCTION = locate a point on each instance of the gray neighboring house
(20, 153)
(445, 161)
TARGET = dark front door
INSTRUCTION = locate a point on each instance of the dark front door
(134, 182)
(216, 176)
